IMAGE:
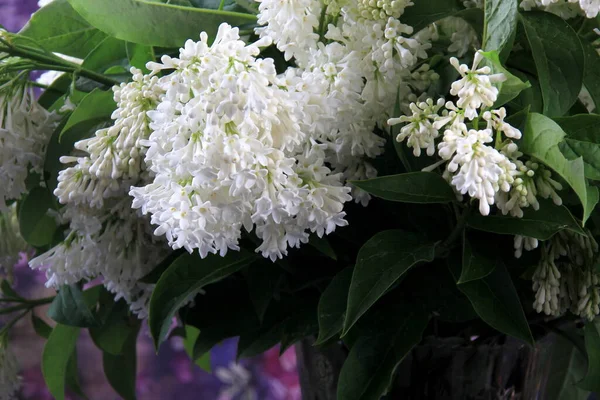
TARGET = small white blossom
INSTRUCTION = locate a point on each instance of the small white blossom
(419, 127)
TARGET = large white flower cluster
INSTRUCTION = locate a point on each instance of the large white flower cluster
(482, 161)
(105, 236)
(25, 129)
(565, 8)
(228, 151)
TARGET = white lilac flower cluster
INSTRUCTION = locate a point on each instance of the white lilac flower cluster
(483, 163)
(565, 8)
(105, 236)
(25, 129)
(10, 381)
(566, 278)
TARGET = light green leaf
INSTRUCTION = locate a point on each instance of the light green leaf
(475, 265)
(183, 280)
(40, 326)
(497, 303)
(500, 23)
(541, 224)
(511, 87)
(191, 335)
(139, 55)
(591, 381)
(332, 305)
(380, 262)
(413, 187)
(108, 53)
(72, 36)
(36, 226)
(96, 106)
(541, 140)
(155, 24)
(57, 352)
(582, 140)
(559, 60)
(368, 370)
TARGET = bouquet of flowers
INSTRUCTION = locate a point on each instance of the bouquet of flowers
(358, 174)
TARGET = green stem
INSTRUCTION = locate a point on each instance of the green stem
(10, 324)
(458, 229)
(222, 5)
(51, 62)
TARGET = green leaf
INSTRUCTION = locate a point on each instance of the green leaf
(108, 53)
(566, 368)
(497, 303)
(475, 265)
(155, 24)
(332, 305)
(191, 335)
(40, 326)
(541, 224)
(111, 336)
(36, 225)
(120, 370)
(368, 370)
(55, 358)
(592, 200)
(511, 87)
(591, 72)
(262, 279)
(73, 36)
(380, 262)
(422, 13)
(69, 308)
(582, 140)
(72, 376)
(323, 246)
(183, 280)
(413, 187)
(500, 23)
(591, 381)
(559, 60)
(96, 106)
(541, 140)
(139, 55)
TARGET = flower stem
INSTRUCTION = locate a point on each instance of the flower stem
(51, 62)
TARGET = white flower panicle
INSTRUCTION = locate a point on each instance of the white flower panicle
(25, 129)
(228, 152)
(112, 242)
(565, 8)
(483, 163)
(115, 156)
(10, 381)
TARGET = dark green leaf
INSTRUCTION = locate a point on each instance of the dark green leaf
(323, 246)
(559, 60)
(368, 370)
(541, 140)
(73, 36)
(191, 335)
(120, 370)
(36, 225)
(511, 87)
(57, 352)
(591, 72)
(183, 280)
(96, 106)
(262, 279)
(72, 376)
(541, 224)
(582, 140)
(7, 291)
(380, 262)
(413, 187)
(500, 23)
(155, 24)
(497, 303)
(592, 346)
(422, 13)
(40, 326)
(69, 308)
(332, 305)
(475, 265)
(566, 368)
(111, 336)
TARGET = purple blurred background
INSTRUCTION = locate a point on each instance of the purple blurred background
(169, 375)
